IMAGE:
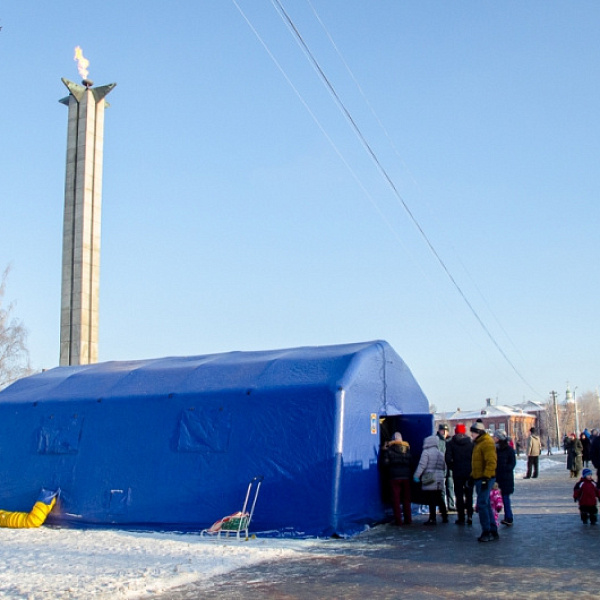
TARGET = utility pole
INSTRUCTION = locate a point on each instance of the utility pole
(576, 411)
(553, 394)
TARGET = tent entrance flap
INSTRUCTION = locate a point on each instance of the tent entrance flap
(413, 428)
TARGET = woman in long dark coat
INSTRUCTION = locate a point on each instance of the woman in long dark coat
(585, 455)
(505, 473)
(574, 456)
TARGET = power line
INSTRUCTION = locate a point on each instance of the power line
(397, 153)
(390, 182)
(354, 126)
(342, 158)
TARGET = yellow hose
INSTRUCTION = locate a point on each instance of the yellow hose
(23, 520)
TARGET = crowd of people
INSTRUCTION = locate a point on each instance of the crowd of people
(474, 473)
(582, 450)
(462, 474)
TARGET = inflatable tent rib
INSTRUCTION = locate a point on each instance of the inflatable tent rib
(172, 442)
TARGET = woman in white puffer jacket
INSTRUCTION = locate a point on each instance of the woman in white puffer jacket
(432, 465)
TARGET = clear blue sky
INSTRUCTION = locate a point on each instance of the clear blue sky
(242, 213)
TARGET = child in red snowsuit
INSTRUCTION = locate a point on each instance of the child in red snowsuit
(586, 492)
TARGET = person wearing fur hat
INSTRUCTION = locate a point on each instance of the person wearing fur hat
(505, 476)
(431, 472)
(586, 492)
(397, 459)
(483, 473)
(459, 450)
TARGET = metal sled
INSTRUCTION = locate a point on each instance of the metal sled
(235, 524)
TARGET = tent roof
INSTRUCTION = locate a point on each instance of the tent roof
(317, 366)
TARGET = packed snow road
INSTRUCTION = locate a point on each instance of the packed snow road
(548, 553)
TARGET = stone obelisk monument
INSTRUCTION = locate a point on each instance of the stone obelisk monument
(82, 218)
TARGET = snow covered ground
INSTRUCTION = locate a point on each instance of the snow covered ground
(67, 563)
(53, 563)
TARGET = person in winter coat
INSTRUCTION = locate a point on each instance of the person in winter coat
(586, 492)
(567, 444)
(483, 473)
(496, 503)
(505, 473)
(431, 471)
(397, 460)
(595, 451)
(575, 456)
(442, 435)
(459, 450)
(585, 453)
(534, 449)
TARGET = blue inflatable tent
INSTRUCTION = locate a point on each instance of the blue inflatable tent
(173, 442)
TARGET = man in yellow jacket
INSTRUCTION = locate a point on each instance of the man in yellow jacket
(483, 472)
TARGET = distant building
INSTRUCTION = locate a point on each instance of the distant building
(514, 420)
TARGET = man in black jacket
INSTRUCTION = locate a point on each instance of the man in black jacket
(459, 450)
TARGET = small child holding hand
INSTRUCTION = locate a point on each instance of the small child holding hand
(496, 502)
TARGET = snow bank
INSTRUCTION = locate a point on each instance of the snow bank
(67, 563)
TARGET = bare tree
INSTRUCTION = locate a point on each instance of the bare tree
(568, 420)
(547, 423)
(588, 405)
(14, 356)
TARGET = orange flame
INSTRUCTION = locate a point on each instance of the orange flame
(82, 62)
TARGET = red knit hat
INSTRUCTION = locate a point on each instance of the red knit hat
(460, 428)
